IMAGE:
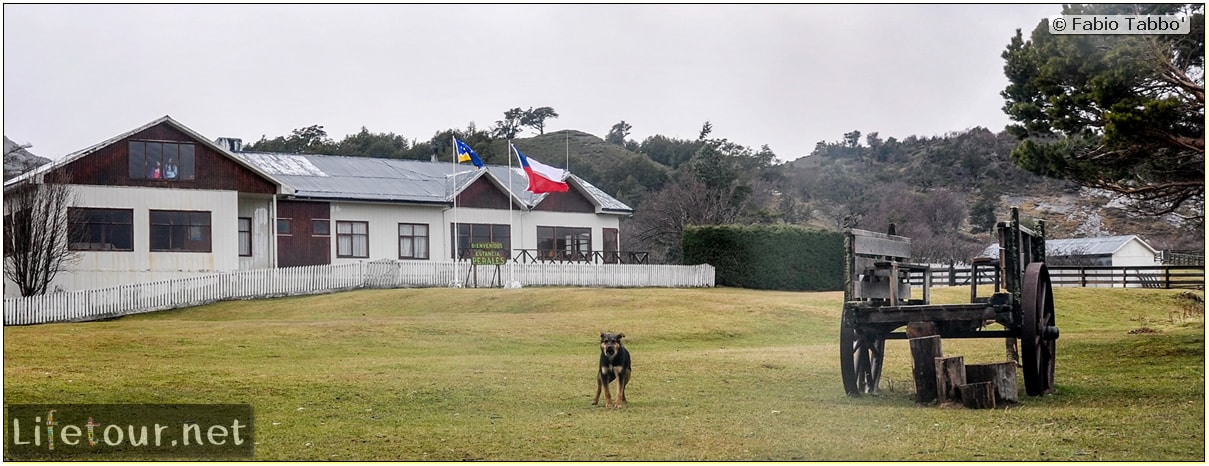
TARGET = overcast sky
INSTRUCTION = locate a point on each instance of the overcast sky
(783, 75)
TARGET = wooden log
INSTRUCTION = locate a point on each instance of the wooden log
(979, 395)
(1002, 374)
(950, 376)
(924, 351)
(920, 329)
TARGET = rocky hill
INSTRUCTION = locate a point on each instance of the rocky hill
(17, 160)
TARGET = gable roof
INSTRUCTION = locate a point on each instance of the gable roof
(336, 177)
(36, 174)
(1097, 246)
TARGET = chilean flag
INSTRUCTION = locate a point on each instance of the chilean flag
(542, 178)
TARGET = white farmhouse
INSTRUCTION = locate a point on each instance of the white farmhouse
(162, 201)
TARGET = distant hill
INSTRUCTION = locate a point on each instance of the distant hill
(624, 174)
(843, 178)
(18, 160)
(839, 179)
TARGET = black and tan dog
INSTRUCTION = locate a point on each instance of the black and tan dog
(614, 364)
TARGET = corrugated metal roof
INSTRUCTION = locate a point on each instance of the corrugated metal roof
(395, 180)
(607, 202)
(360, 178)
(1097, 246)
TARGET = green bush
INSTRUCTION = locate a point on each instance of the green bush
(768, 257)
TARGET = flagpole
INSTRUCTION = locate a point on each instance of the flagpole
(454, 178)
(511, 232)
(568, 152)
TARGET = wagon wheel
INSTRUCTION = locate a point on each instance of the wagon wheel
(860, 357)
(1039, 333)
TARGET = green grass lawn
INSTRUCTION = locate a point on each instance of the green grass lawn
(719, 374)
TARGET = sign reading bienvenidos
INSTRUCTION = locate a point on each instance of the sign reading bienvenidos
(487, 254)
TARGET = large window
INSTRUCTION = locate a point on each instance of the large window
(245, 236)
(157, 160)
(413, 241)
(564, 243)
(470, 233)
(100, 229)
(352, 239)
(180, 230)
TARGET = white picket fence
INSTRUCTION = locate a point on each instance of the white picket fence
(171, 294)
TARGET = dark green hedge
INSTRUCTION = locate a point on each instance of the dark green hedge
(768, 257)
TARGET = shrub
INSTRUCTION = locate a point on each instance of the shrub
(768, 257)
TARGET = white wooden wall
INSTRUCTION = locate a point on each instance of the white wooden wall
(99, 269)
(1134, 254)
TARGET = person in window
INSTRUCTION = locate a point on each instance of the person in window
(170, 169)
(155, 171)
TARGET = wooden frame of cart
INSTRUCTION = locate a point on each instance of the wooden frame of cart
(878, 302)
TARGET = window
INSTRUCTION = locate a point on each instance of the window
(180, 230)
(100, 229)
(321, 227)
(564, 243)
(413, 241)
(352, 239)
(245, 236)
(470, 233)
(157, 160)
(283, 226)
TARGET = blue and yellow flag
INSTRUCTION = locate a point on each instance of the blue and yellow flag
(466, 153)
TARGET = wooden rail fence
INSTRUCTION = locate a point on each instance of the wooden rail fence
(1157, 276)
(317, 279)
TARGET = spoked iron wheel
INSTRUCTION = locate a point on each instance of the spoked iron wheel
(1038, 332)
(860, 357)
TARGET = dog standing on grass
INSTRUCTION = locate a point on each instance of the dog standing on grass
(614, 364)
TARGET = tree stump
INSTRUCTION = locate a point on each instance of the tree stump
(1002, 374)
(980, 395)
(924, 351)
(950, 376)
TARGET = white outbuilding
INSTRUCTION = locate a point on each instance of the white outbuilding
(1117, 251)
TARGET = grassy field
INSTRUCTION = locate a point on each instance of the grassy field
(719, 374)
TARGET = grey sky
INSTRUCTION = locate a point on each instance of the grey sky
(783, 75)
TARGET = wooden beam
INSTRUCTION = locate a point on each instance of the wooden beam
(889, 246)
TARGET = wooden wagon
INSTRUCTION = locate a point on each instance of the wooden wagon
(878, 302)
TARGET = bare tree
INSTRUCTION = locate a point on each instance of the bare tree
(36, 233)
(932, 220)
(659, 223)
